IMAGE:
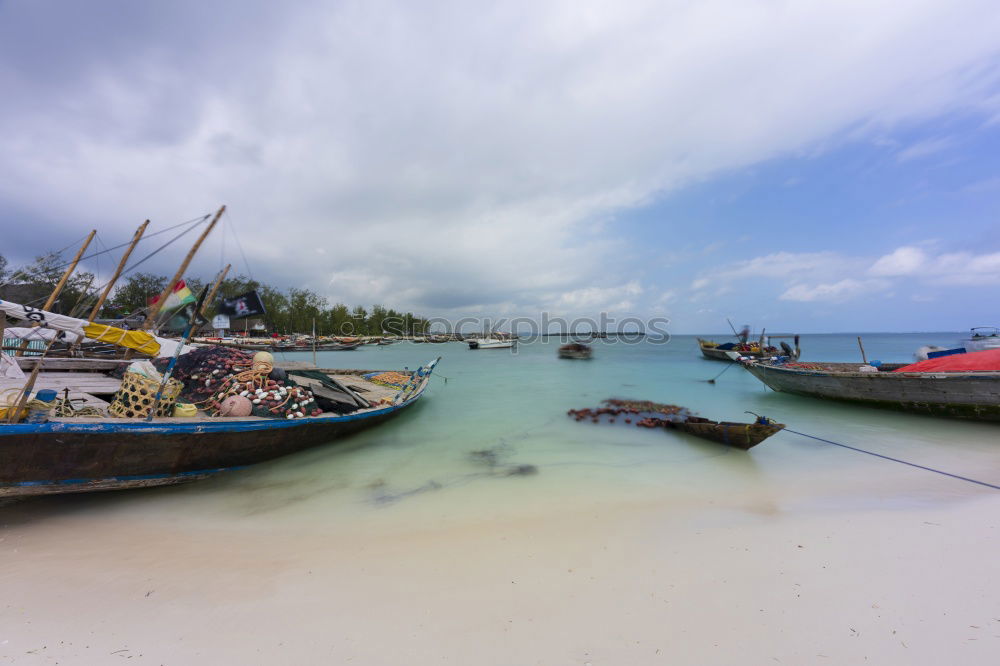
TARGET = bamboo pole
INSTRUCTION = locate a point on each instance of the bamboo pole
(121, 266)
(215, 287)
(59, 286)
(864, 359)
(180, 271)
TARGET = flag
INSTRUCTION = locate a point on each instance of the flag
(244, 305)
(179, 297)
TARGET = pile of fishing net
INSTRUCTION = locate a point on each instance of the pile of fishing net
(229, 382)
(646, 414)
(391, 379)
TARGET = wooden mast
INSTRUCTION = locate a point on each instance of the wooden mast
(180, 271)
(215, 287)
(121, 266)
(59, 287)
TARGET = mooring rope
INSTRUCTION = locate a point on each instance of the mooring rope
(879, 455)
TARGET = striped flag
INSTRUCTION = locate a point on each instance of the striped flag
(179, 297)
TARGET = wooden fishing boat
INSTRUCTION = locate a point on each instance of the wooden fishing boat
(576, 350)
(740, 435)
(334, 346)
(730, 351)
(647, 414)
(78, 454)
(963, 395)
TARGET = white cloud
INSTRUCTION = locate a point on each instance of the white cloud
(616, 299)
(832, 276)
(843, 290)
(779, 265)
(953, 268)
(904, 261)
(455, 156)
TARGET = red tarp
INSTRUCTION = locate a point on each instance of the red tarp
(984, 361)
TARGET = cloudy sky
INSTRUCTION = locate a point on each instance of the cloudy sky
(804, 166)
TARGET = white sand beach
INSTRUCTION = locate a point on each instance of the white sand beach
(740, 579)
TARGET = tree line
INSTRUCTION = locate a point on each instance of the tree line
(291, 310)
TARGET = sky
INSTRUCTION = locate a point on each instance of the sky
(799, 166)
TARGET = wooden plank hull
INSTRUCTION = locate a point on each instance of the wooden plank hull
(85, 455)
(739, 435)
(973, 396)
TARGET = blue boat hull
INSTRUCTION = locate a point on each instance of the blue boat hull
(79, 456)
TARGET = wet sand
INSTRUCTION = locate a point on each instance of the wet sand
(744, 581)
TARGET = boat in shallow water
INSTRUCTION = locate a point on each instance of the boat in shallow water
(962, 395)
(576, 350)
(740, 435)
(78, 454)
(731, 351)
(647, 414)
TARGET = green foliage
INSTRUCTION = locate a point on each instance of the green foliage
(45, 273)
(133, 294)
(289, 311)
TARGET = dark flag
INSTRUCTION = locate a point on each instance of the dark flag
(244, 305)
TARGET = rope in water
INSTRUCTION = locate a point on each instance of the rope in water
(879, 455)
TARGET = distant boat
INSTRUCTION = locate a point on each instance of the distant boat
(729, 351)
(491, 343)
(982, 338)
(335, 346)
(576, 350)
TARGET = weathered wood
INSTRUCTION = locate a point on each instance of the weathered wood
(150, 320)
(81, 454)
(67, 364)
(739, 435)
(92, 383)
(964, 395)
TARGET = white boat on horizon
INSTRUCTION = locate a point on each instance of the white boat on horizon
(982, 338)
(491, 343)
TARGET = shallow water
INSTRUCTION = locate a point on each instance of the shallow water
(419, 471)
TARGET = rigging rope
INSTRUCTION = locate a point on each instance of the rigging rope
(904, 462)
(239, 245)
(196, 220)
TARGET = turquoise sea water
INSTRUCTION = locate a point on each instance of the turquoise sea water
(421, 466)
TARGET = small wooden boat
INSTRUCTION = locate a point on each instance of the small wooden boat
(647, 414)
(576, 350)
(334, 346)
(740, 435)
(730, 351)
